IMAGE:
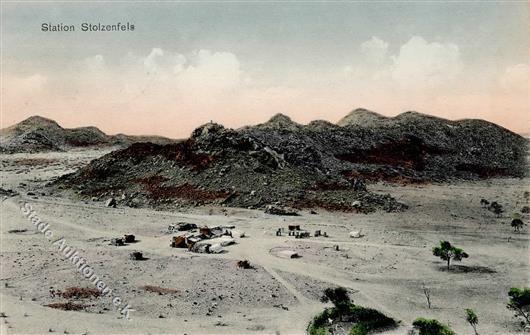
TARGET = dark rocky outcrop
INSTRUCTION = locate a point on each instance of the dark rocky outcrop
(301, 166)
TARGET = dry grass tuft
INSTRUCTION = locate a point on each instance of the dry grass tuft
(159, 290)
(79, 293)
(67, 306)
(17, 231)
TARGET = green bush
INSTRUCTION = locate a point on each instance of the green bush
(338, 297)
(369, 319)
(359, 329)
(364, 320)
(431, 327)
(317, 330)
(322, 318)
(318, 326)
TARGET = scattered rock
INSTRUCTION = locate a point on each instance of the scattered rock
(275, 210)
(111, 203)
(356, 234)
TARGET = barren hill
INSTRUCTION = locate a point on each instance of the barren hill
(361, 116)
(37, 133)
(302, 165)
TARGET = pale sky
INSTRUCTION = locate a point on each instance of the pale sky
(240, 63)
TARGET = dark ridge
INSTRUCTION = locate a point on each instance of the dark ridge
(408, 152)
(37, 134)
(303, 166)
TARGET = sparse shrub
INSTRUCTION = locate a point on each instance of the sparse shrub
(472, 319)
(159, 290)
(496, 208)
(431, 327)
(359, 329)
(318, 326)
(364, 320)
(136, 256)
(498, 211)
(318, 331)
(447, 252)
(79, 293)
(67, 306)
(338, 297)
(520, 303)
(368, 320)
(244, 264)
(517, 224)
(16, 231)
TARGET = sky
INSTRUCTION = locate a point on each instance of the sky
(239, 63)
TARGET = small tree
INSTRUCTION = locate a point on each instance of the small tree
(496, 208)
(338, 297)
(472, 319)
(446, 252)
(517, 224)
(520, 302)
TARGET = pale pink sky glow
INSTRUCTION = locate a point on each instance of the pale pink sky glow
(173, 73)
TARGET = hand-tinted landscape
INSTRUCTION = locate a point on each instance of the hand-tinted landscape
(206, 173)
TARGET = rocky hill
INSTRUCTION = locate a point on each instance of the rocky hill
(410, 146)
(36, 134)
(300, 166)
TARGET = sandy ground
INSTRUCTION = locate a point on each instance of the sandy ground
(385, 269)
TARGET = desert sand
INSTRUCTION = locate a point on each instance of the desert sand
(385, 269)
